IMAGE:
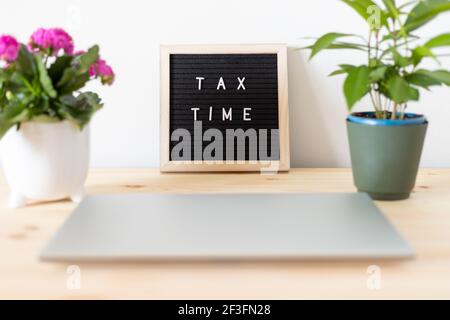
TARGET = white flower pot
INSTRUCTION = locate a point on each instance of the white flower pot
(45, 161)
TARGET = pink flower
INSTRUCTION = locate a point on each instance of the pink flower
(40, 38)
(9, 48)
(103, 70)
(100, 69)
(61, 40)
(93, 70)
(53, 39)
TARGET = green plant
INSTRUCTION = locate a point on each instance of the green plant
(41, 81)
(392, 75)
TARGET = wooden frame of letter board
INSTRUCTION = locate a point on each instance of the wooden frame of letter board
(283, 108)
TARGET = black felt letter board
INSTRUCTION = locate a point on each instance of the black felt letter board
(260, 95)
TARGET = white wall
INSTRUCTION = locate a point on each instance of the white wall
(125, 132)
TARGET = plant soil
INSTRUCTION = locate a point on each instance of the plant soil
(385, 114)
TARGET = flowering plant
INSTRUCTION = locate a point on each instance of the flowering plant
(41, 80)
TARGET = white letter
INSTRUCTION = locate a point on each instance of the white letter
(247, 114)
(200, 79)
(221, 84)
(241, 83)
(195, 113)
(227, 115)
(210, 113)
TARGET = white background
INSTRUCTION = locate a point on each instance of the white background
(126, 131)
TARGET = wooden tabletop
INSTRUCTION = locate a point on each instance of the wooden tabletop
(424, 220)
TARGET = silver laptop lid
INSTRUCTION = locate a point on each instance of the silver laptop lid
(219, 227)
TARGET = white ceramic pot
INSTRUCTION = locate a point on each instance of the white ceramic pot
(45, 161)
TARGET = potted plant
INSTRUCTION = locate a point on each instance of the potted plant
(386, 143)
(44, 114)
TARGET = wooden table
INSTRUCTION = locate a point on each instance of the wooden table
(424, 220)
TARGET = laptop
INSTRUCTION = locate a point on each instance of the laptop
(163, 227)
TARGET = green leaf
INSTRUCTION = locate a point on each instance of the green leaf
(79, 109)
(424, 12)
(439, 41)
(4, 76)
(67, 76)
(374, 62)
(363, 8)
(421, 52)
(422, 80)
(76, 83)
(324, 42)
(25, 62)
(76, 76)
(344, 68)
(20, 83)
(392, 8)
(347, 67)
(400, 91)
(399, 59)
(89, 58)
(395, 13)
(357, 85)
(347, 45)
(12, 113)
(439, 75)
(337, 72)
(44, 78)
(426, 78)
(4, 126)
(398, 35)
(56, 70)
(44, 118)
(378, 74)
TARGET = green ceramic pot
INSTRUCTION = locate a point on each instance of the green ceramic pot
(385, 155)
